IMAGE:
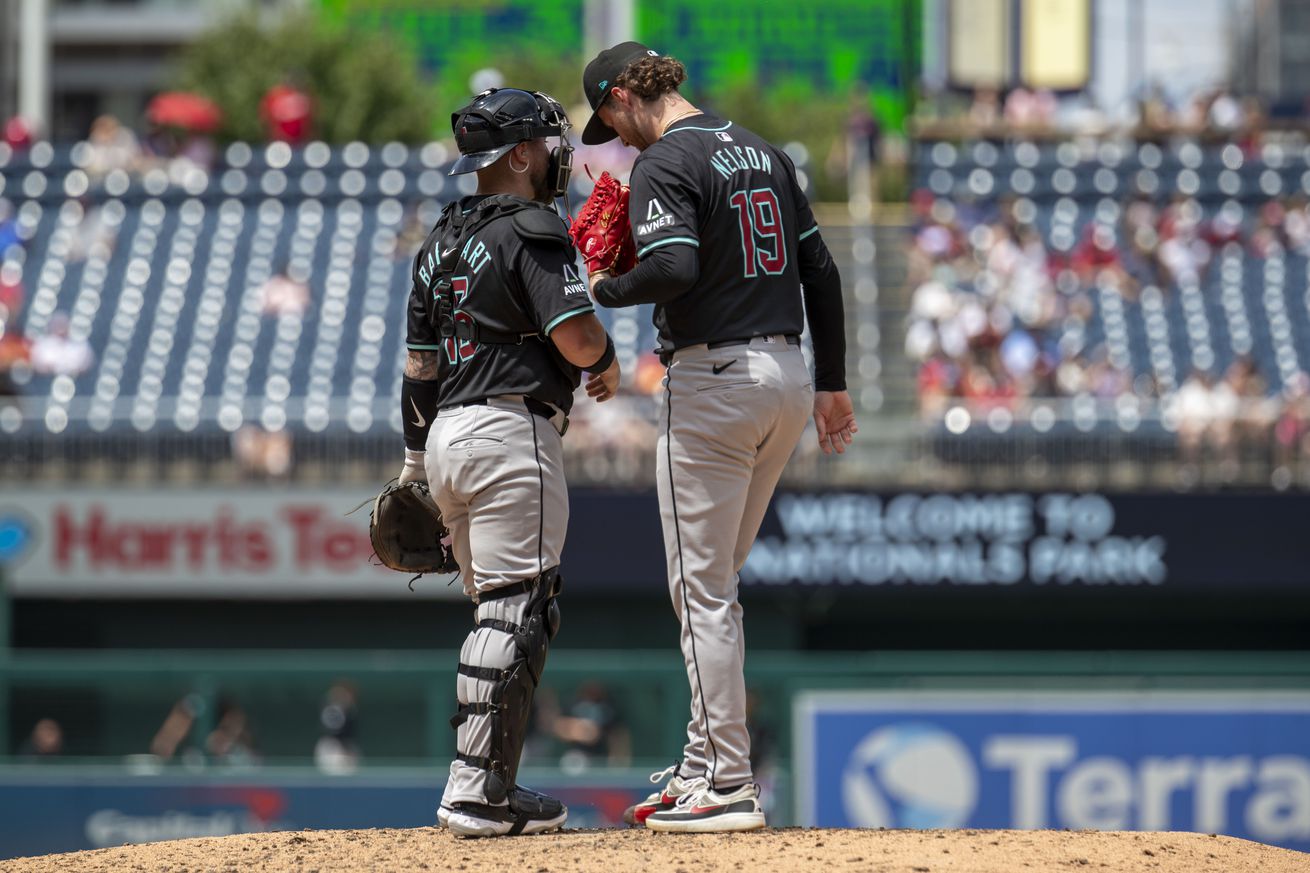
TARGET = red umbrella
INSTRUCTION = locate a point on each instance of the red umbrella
(185, 110)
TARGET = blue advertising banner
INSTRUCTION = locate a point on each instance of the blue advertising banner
(43, 811)
(1235, 764)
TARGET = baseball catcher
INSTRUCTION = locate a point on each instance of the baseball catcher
(500, 331)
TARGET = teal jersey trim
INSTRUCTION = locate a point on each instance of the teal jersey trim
(557, 320)
(810, 232)
(418, 348)
(706, 129)
(673, 239)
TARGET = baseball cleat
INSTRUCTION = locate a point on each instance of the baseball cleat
(444, 810)
(528, 812)
(706, 811)
(665, 798)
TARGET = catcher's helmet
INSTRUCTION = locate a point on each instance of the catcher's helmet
(500, 118)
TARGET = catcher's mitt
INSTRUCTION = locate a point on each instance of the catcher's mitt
(602, 231)
(406, 530)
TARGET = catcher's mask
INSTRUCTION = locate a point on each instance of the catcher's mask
(500, 118)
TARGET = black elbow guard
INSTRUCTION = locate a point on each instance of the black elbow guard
(418, 406)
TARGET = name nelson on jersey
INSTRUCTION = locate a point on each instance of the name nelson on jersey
(733, 159)
(726, 161)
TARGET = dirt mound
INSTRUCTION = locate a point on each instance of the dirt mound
(780, 850)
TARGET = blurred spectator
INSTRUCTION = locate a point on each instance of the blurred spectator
(591, 730)
(287, 113)
(1205, 413)
(284, 294)
(1030, 109)
(1149, 113)
(337, 749)
(985, 111)
(614, 436)
(19, 133)
(649, 378)
(14, 357)
(45, 742)
(863, 139)
(1256, 410)
(1292, 428)
(260, 453)
(11, 290)
(231, 741)
(111, 146)
(15, 351)
(58, 354)
(93, 237)
(9, 235)
(171, 737)
(419, 221)
(180, 131)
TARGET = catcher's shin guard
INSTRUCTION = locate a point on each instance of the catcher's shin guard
(509, 703)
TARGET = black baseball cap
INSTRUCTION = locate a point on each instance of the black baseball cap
(598, 78)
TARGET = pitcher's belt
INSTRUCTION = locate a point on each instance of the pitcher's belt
(666, 357)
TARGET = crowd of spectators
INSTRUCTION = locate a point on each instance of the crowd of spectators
(1000, 312)
(1149, 113)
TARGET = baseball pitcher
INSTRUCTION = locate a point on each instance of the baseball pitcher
(728, 251)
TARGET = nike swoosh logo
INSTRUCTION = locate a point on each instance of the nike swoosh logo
(696, 810)
(418, 416)
(719, 368)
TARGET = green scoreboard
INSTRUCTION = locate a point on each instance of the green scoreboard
(825, 47)
(821, 49)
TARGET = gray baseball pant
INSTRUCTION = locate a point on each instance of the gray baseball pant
(497, 472)
(730, 420)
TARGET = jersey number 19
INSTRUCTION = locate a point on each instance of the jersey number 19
(762, 244)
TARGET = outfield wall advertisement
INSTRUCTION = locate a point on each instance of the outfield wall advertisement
(1235, 764)
(44, 810)
(195, 543)
(300, 542)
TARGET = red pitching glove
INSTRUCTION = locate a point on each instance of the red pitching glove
(602, 232)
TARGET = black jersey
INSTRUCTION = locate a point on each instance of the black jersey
(504, 283)
(714, 185)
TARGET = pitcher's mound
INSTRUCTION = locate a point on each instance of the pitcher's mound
(782, 850)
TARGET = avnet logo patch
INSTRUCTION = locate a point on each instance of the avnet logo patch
(1226, 763)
